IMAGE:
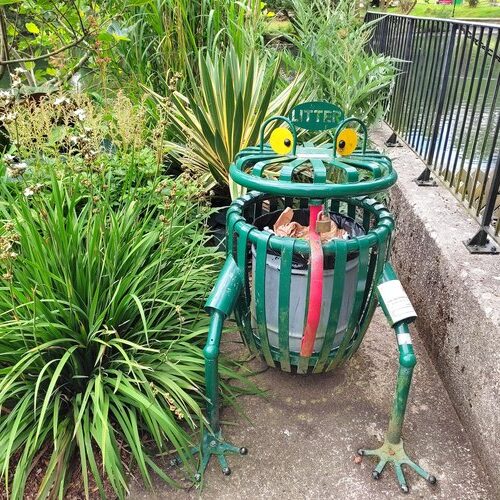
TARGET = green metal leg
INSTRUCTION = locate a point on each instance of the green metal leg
(220, 304)
(392, 450)
(211, 354)
(213, 442)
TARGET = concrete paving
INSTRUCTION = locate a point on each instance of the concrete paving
(303, 436)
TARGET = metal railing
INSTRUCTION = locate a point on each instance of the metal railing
(444, 105)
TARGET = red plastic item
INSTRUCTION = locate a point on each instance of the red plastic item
(315, 283)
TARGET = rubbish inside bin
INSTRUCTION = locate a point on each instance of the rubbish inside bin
(286, 226)
(301, 215)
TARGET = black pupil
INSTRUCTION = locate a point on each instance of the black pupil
(341, 144)
(287, 143)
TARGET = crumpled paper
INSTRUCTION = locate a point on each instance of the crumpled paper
(285, 227)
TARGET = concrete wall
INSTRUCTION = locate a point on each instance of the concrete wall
(457, 298)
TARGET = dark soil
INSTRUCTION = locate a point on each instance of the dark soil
(75, 489)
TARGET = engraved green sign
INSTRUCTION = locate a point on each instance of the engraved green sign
(316, 115)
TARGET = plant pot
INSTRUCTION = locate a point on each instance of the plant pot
(217, 225)
(220, 200)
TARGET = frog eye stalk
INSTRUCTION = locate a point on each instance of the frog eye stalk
(347, 141)
(283, 141)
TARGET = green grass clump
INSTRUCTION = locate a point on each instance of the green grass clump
(277, 27)
(464, 11)
(101, 330)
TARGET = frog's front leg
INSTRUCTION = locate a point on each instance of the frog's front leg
(392, 451)
(220, 304)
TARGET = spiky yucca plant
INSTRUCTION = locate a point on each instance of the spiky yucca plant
(224, 112)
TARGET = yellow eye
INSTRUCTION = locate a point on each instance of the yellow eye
(281, 141)
(347, 142)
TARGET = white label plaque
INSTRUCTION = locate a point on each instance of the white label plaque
(404, 338)
(396, 301)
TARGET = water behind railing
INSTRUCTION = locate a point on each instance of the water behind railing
(445, 102)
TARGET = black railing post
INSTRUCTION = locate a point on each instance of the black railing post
(393, 142)
(443, 88)
(480, 243)
(424, 179)
(404, 75)
(384, 24)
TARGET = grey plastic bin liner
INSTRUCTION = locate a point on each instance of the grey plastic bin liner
(298, 288)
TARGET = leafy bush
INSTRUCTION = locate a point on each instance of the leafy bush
(109, 146)
(72, 124)
(166, 36)
(224, 113)
(332, 42)
(101, 325)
